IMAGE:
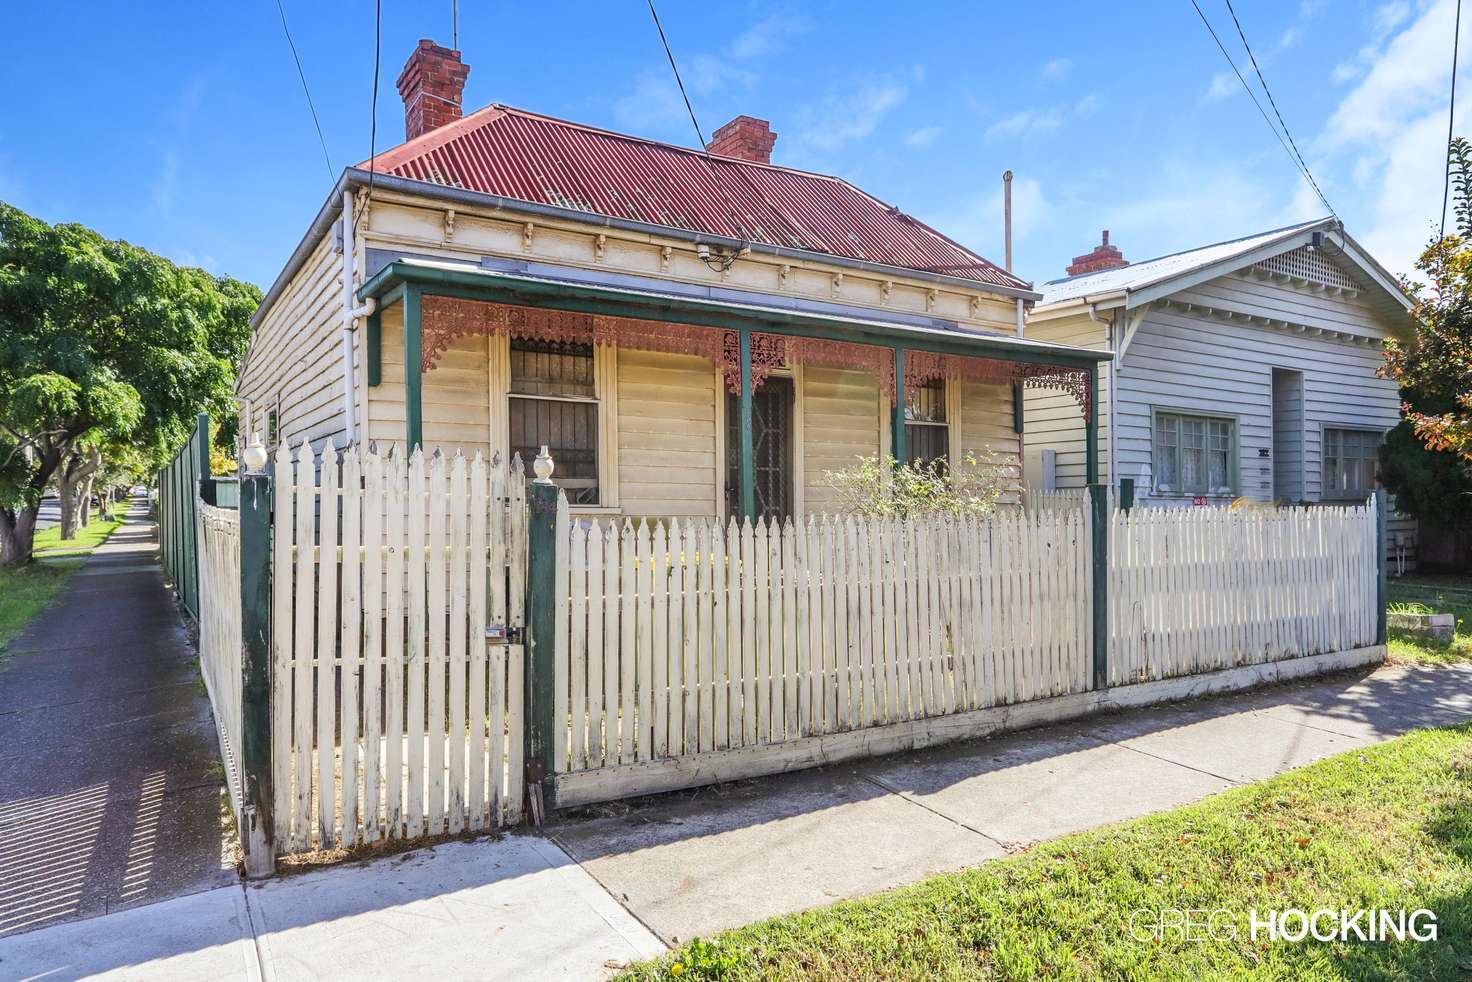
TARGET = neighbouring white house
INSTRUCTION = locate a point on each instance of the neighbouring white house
(1244, 369)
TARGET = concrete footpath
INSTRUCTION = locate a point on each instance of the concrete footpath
(614, 883)
(108, 790)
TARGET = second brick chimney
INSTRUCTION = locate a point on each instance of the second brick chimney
(745, 137)
(431, 86)
(1104, 256)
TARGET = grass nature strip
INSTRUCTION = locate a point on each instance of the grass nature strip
(1440, 594)
(49, 544)
(1384, 827)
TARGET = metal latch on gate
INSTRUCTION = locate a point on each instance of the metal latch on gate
(501, 634)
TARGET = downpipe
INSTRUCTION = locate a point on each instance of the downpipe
(350, 315)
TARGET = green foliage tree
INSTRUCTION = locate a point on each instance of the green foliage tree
(1437, 366)
(102, 343)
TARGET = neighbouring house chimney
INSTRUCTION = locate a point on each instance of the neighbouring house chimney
(431, 85)
(1104, 256)
(745, 137)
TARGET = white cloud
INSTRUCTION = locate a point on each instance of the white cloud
(848, 115)
(1346, 71)
(1389, 133)
(1028, 122)
(656, 104)
(1086, 105)
(767, 37)
(923, 137)
(1289, 38)
(1223, 84)
(1387, 17)
(1057, 70)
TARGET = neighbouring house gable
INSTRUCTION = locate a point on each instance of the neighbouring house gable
(1270, 342)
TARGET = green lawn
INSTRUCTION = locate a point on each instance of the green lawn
(28, 590)
(1440, 594)
(49, 544)
(1386, 827)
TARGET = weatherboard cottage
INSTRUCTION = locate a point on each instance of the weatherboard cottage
(691, 332)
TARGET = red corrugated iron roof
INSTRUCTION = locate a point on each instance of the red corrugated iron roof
(516, 154)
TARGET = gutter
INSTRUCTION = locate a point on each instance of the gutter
(484, 284)
(353, 177)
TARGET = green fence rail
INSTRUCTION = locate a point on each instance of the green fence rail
(177, 532)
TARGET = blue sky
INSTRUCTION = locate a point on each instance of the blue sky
(186, 131)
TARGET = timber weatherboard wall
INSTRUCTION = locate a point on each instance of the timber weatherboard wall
(295, 356)
(1184, 360)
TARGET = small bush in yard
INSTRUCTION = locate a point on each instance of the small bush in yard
(885, 488)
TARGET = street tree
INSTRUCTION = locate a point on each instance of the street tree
(1437, 364)
(102, 343)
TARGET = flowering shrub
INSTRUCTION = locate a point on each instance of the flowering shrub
(888, 489)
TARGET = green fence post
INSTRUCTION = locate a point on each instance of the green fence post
(746, 451)
(1099, 502)
(541, 584)
(255, 670)
(897, 448)
(1126, 493)
(1382, 567)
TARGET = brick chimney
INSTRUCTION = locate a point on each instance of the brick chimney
(745, 137)
(1104, 256)
(431, 86)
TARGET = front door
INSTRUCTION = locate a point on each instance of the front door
(771, 439)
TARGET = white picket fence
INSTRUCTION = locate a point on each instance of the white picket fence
(1200, 589)
(393, 713)
(218, 538)
(689, 637)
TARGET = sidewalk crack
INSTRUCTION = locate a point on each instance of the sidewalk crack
(906, 796)
(1177, 763)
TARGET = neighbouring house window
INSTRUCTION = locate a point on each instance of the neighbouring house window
(1194, 454)
(271, 428)
(554, 403)
(927, 432)
(1349, 462)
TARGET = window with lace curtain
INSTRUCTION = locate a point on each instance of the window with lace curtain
(1194, 455)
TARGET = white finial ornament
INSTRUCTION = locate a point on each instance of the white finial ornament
(542, 466)
(255, 455)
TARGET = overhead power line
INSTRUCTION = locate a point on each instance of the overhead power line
(1293, 158)
(1451, 116)
(1274, 103)
(704, 153)
(305, 90)
(373, 106)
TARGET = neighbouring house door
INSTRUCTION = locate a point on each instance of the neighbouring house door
(771, 439)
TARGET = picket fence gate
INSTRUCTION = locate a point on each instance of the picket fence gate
(1196, 590)
(397, 671)
(689, 636)
(217, 533)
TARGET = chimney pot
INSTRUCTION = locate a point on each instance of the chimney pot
(746, 138)
(1104, 256)
(432, 85)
